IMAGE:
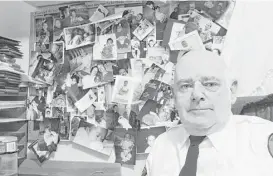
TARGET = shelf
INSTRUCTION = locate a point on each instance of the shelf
(8, 120)
(11, 104)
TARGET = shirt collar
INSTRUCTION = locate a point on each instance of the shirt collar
(223, 141)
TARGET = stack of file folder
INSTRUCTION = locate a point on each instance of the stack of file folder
(9, 52)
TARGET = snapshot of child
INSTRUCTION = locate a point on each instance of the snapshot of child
(107, 51)
(127, 145)
(124, 89)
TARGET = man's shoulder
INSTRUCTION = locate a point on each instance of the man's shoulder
(253, 121)
(171, 134)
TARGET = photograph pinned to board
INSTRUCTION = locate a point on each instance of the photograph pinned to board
(123, 35)
(59, 98)
(122, 67)
(57, 52)
(94, 138)
(101, 73)
(101, 94)
(125, 146)
(139, 48)
(75, 120)
(100, 13)
(123, 89)
(42, 67)
(174, 29)
(79, 36)
(206, 27)
(151, 38)
(48, 112)
(144, 28)
(48, 140)
(36, 104)
(137, 68)
(146, 138)
(58, 34)
(106, 48)
(65, 127)
(44, 33)
(78, 15)
(153, 72)
(187, 42)
(79, 59)
(87, 100)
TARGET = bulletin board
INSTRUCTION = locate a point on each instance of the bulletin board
(107, 69)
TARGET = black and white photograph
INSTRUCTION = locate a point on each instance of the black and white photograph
(123, 36)
(59, 98)
(36, 104)
(79, 36)
(125, 146)
(152, 72)
(100, 13)
(137, 68)
(124, 89)
(101, 73)
(139, 48)
(44, 33)
(79, 59)
(146, 138)
(43, 67)
(87, 100)
(74, 124)
(144, 28)
(190, 41)
(94, 138)
(155, 114)
(106, 48)
(122, 68)
(65, 127)
(57, 52)
(47, 141)
(78, 16)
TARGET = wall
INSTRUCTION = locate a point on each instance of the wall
(15, 24)
(248, 47)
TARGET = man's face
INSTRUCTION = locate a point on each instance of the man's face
(202, 93)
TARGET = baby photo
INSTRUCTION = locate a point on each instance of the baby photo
(123, 89)
(146, 138)
(79, 36)
(190, 41)
(122, 31)
(138, 48)
(144, 28)
(125, 146)
(106, 48)
(122, 68)
(101, 73)
(94, 137)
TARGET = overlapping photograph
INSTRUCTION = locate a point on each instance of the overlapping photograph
(106, 48)
(79, 36)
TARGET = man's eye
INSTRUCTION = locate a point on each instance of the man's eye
(211, 84)
(184, 87)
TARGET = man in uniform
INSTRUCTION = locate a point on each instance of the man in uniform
(211, 141)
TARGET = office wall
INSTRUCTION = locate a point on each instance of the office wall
(248, 47)
(15, 24)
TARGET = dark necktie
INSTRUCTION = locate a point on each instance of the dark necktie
(190, 167)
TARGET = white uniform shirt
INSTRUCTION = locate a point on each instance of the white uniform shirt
(239, 149)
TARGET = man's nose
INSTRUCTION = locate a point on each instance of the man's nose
(198, 92)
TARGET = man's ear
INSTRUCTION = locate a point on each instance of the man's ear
(233, 89)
